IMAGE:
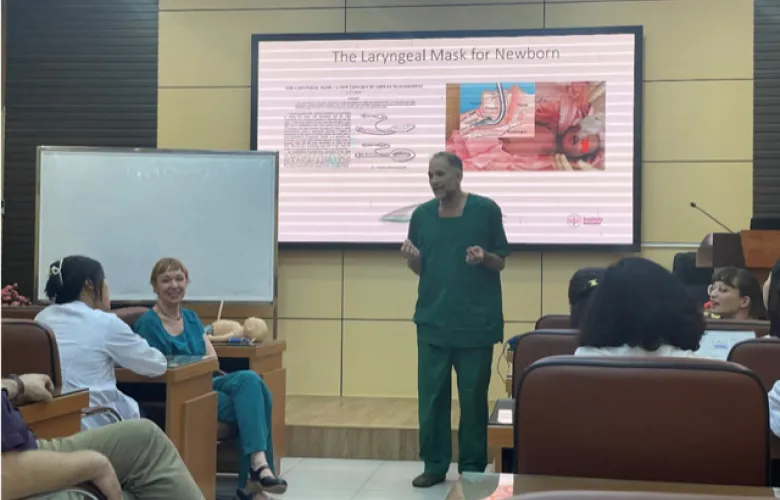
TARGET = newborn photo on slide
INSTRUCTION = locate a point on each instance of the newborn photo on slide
(527, 126)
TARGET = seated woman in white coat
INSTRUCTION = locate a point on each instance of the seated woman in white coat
(640, 309)
(93, 341)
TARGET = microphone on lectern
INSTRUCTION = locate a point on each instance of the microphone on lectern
(716, 221)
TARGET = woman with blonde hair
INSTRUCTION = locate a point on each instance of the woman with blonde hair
(243, 398)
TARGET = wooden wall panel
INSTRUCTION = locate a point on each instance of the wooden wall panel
(79, 73)
(766, 109)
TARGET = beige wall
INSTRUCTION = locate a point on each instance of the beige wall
(345, 315)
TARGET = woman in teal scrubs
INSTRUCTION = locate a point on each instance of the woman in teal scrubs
(243, 398)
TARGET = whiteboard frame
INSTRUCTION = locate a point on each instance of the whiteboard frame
(87, 149)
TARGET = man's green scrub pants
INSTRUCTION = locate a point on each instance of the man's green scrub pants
(434, 386)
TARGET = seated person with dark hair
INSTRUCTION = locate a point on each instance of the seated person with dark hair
(640, 309)
(581, 287)
(131, 459)
(735, 293)
(91, 340)
(772, 299)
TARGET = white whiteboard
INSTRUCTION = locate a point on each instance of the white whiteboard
(216, 211)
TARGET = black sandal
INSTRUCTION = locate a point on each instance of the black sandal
(269, 484)
(240, 495)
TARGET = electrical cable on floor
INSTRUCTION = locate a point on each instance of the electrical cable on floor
(506, 360)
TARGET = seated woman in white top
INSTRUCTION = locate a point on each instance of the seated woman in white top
(772, 300)
(640, 309)
(91, 340)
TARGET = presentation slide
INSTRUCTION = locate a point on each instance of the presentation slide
(544, 125)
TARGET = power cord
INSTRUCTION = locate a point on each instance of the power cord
(503, 356)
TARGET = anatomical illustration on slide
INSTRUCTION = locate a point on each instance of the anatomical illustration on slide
(497, 109)
(567, 131)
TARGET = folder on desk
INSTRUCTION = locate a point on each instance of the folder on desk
(503, 412)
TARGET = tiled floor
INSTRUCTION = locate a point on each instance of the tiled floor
(331, 479)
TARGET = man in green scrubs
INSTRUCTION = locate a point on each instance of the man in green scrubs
(458, 247)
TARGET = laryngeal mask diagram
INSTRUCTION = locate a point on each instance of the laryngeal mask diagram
(497, 110)
(381, 127)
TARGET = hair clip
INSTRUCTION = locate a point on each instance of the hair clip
(56, 270)
(593, 283)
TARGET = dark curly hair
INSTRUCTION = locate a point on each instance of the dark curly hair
(641, 304)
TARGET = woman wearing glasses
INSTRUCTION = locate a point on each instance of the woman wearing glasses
(736, 294)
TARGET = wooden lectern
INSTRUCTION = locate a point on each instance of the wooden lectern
(752, 249)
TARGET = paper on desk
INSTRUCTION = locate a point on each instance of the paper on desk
(717, 344)
(504, 417)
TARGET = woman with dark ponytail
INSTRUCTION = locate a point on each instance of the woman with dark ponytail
(91, 340)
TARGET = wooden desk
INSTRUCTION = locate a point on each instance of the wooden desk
(266, 360)
(500, 436)
(190, 416)
(473, 486)
(59, 418)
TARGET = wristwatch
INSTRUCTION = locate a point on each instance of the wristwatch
(19, 385)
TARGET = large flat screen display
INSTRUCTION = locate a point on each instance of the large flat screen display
(545, 122)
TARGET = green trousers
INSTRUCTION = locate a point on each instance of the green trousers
(245, 401)
(146, 462)
(434, 387)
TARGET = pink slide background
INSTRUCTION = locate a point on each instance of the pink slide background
(345, 201)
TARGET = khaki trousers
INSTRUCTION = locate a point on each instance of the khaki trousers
(146, 462)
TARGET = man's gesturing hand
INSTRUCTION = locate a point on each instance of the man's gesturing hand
(475, 255)
(409, 251)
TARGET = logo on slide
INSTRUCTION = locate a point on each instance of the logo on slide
(575, 220)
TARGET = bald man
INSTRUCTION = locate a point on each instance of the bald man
(458, 247)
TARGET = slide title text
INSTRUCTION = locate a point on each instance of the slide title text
(445, 55)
